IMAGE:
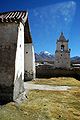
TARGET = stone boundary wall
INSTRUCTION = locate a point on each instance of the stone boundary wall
(46, 71)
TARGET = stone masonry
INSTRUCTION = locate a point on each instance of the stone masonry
(62, 53)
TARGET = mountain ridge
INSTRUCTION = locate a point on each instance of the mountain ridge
(46, 56)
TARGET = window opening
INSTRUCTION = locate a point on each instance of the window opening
(62, 47)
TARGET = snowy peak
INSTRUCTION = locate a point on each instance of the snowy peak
(45, 53)
(44, 56)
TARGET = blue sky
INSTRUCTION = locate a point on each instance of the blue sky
(47, 19)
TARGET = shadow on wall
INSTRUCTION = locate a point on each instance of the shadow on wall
(6, 94)
(28, 76)
(3, 102)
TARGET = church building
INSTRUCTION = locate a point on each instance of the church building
(62, 53)
(16, 54)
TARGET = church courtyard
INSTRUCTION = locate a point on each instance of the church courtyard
(54, 104)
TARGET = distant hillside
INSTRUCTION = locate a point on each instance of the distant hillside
(75, 59)
(46, 56)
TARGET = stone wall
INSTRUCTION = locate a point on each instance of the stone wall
(8, 44)
(62, 59)
(46, 71)
(62, 53)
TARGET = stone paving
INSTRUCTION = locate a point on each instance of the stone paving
(31, 86)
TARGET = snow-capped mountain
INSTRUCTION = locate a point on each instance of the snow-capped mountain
(44, 56)
(45, 53)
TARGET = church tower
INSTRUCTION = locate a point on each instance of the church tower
(62, 53)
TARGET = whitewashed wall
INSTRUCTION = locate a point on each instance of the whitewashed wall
(29, 61)
(19, 62)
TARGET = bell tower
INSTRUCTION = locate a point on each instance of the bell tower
(62, 53)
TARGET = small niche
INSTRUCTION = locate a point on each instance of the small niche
(26, 52)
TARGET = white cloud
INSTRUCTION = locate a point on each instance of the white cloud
(56, 16)
(65, 19)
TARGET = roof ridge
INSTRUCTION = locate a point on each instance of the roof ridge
(12, 16)
(13, 11)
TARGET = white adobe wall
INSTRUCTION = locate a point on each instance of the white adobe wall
(19, 63)
(29, 61)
